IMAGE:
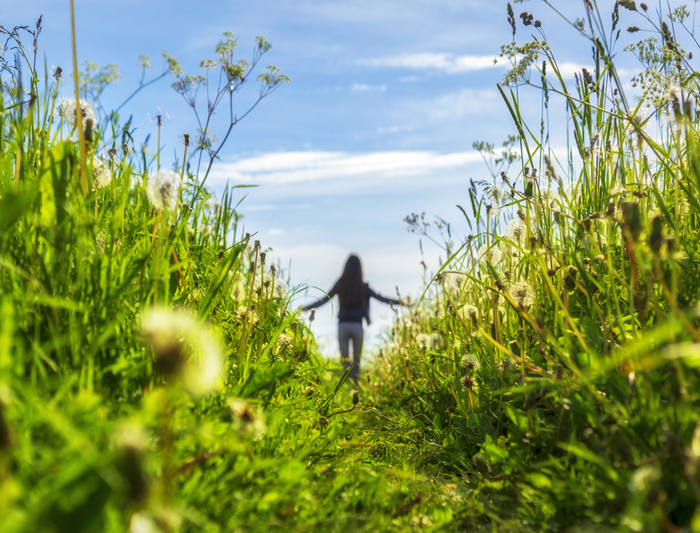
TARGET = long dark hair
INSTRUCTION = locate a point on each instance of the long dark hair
(350, 287)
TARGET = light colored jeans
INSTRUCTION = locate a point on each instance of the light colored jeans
(348, 331)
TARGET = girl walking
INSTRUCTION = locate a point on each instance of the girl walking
(353, 295)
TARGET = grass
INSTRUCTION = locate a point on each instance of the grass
(153, 376)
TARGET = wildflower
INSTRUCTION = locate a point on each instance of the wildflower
(101, 174)
(618, 191)
(162, 189)
(496, 194)
(523, 295)
(423, 341)
(489, 255)
(67, 110)
(550, 199)
(208, 64)
(644, 478)
(183, 349)
(516, 232)
(470, 362)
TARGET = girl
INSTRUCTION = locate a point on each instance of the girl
(353, 295)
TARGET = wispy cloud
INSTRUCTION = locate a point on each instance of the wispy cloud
(361, 88)
(309, 166)
(448, 63)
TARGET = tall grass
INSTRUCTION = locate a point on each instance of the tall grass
(553, 359)
(152, 374)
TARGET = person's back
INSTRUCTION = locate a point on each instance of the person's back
(353, 296)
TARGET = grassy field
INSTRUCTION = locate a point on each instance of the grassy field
(154, 376)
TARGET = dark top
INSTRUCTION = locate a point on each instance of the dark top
(353, 314)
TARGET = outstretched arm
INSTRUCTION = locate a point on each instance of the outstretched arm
(381, 298)
(319, 303)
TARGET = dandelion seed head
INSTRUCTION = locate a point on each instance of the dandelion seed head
(436, 342)
(142, 523)
(423, 341)
(470, 362)
(496, 194)
(280, 288)
(469, 314)
(67, 110)
(516, 232)
(673, 93)
(184, 349)
(248, 313)
(523, 295)
(247, 418)
(641, 118)
(572, 193)
(454, 282)
(488, 254)
(468, 382)
(101, 174)
(408, 299)
(238, 292)
(162, 189)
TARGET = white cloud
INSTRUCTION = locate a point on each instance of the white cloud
(449, 63)
(569, 68)
(360, 88)
(310, 166)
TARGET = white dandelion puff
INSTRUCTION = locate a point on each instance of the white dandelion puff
(436, 342)
(496, 194)
(183, 349)
(423, 341)
(489, 255)
(280, 288)
(454, 282)
(67, 110)
(101, 174)
(162, 189)
(470, 362)
(469, 314)
(572, 193)
(523, 295)
(516, 232)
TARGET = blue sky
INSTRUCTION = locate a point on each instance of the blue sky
(386, 99)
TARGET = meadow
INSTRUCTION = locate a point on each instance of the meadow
(155, 375)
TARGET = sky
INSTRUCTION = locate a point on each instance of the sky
(385, 100)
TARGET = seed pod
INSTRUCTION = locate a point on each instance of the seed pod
(632, 218)
(656, 238)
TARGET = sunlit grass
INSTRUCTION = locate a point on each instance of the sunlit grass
(154, 375)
